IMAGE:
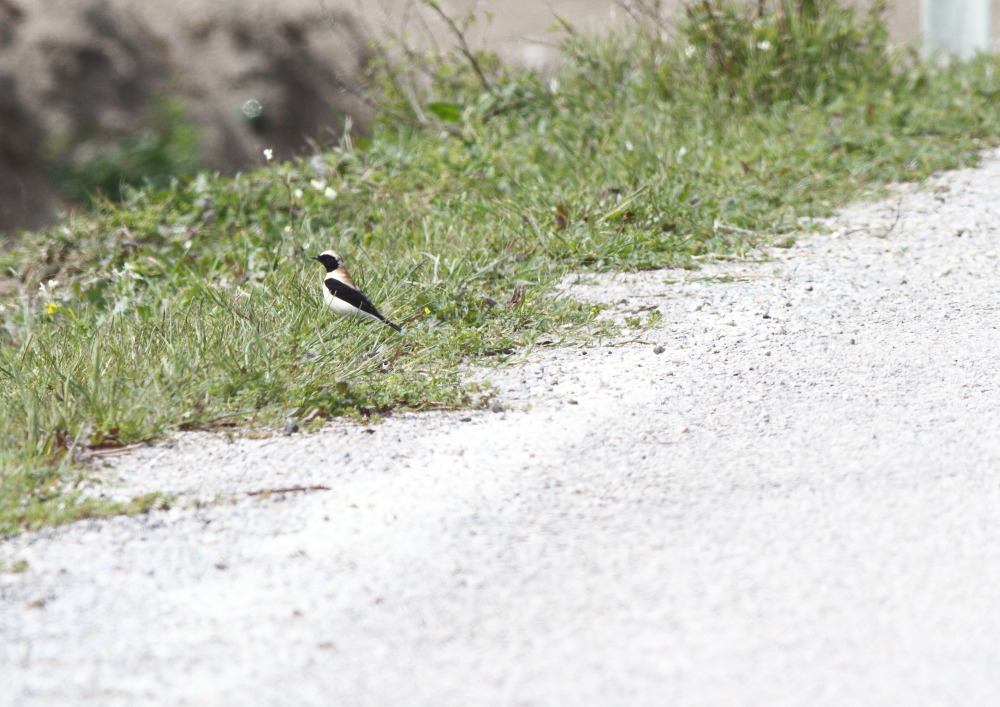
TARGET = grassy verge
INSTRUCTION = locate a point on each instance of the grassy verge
(197, 306)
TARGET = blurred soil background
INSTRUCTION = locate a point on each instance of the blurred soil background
(90, 87)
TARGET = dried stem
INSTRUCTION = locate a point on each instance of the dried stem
(463, 46)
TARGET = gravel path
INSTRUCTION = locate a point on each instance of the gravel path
(785, 493)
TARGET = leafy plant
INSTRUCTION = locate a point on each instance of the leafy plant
(442, 85)
(88, 168)
(804, 50)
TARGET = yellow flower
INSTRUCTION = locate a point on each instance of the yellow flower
(53, 307)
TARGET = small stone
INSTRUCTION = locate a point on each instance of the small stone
(496, 406)
(658, 350)
(291, 426)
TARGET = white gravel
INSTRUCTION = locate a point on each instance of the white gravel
(786, 493)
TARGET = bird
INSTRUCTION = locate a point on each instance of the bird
(342, 294)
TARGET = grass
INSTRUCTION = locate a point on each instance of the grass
(196, 306)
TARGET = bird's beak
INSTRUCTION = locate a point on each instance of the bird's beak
(314, 257)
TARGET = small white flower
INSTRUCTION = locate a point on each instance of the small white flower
(689, 51)
(317, 164)
(763, 45)
(127, 272)
(318, 184)
(330, 193)
(47, 289)
(268, 154)
(297, 193)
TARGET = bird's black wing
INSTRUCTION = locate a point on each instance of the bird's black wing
(355, 298)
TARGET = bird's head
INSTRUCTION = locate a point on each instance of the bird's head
(330, 259)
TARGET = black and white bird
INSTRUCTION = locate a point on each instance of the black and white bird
(342, 294)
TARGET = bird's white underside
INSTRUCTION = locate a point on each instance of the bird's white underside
(343, 308)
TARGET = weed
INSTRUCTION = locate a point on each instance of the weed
(87, 168)
(15, 567)
(812, 51)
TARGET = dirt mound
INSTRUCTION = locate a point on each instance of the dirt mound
(250, 76)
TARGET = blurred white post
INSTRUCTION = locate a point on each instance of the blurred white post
(959, 27)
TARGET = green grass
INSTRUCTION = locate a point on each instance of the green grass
(197, 306)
